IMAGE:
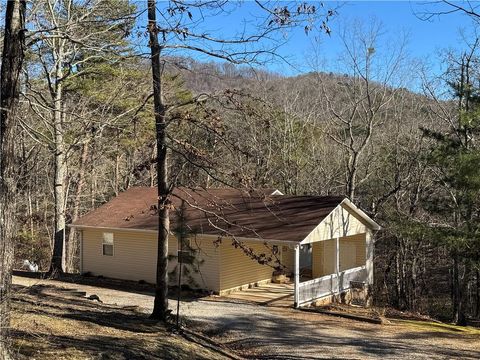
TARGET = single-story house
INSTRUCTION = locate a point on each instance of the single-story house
(324, 242)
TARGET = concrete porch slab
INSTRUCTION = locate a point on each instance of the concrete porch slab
(278, 295)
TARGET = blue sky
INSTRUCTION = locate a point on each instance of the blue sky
(426, 38)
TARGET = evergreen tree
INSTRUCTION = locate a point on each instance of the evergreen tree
(455, 204)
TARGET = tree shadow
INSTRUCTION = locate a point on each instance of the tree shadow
(263, 336)
(122, 333)
(61, 303)
(108, 347)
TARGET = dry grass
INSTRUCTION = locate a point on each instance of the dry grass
(53, 323)
(421, 326)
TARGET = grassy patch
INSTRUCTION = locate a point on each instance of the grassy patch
(438, 327)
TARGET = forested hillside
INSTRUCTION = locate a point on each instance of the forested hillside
(397, 139)
(252, 129)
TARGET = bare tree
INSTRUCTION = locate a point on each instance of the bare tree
(12, 61)
(68, 36)
(431, 9)
(180, 32)
(374, 81)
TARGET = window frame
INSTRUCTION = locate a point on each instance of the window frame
(108, 243)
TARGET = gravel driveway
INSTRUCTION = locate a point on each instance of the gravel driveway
(264, 332)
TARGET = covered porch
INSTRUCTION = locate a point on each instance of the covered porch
(331, 259)
(334, 258)
(316, 271)
(331, 267)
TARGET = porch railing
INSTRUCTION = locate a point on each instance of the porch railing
(332, 284)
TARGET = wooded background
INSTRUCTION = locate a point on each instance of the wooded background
(407, 154)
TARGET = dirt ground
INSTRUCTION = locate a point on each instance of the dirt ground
(49, 322)
(278, 332)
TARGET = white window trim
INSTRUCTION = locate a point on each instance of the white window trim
(105, 243)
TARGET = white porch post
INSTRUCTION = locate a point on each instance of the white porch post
(337, 255)
(369, 257)
(337, 262)
(296, 276)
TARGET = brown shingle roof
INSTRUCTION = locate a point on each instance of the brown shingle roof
(218, 212)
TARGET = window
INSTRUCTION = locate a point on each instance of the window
(107, 244)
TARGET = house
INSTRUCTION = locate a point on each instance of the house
(328, 238)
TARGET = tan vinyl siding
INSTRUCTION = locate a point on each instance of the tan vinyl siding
(352, 254)
(323, 258)
(340, 223)
(206, 274)
(352, 251)
(317, 259)
(134, 254)
(288, 258)
(135, 258)
(237, 269)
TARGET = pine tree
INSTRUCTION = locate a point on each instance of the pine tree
(455, 158)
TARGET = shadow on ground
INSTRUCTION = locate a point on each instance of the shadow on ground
(50, 323)
(267, 334)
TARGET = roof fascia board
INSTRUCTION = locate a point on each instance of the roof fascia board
(279, 242)
(81, 227)
(210, 236)
(374, 226)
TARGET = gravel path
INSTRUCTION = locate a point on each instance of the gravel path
(264, 332)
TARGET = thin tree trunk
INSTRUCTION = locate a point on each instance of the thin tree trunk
(117, 165)
(455, 285)
(352, 177)
(413, 297)
(477, 302)
(160, 308)
(93, 175)
(30, 212)
(152, 168)
(12, 60)
(460, 314)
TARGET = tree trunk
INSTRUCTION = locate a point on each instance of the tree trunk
(460, 314)
(160, 308)
(352, 177)
(455, 286)
(58, 258)
(72, 239)
(12, 60)
(477, 302)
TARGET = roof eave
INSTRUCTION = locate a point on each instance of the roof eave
(81, 227)
(374, 226)
(239, 238)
